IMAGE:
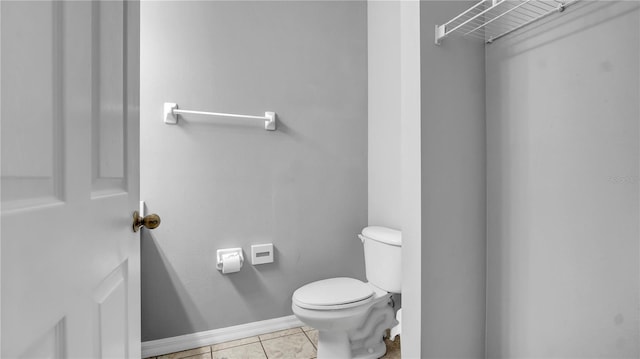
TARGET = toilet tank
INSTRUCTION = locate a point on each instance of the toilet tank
(382, 257)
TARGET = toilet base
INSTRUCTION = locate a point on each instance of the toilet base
(375, 352)
(363, 340)
(335, 344)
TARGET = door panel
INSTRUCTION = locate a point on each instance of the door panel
(109, 149)
(32, 105)
(111, 308)
(70, 263)
(51, 345)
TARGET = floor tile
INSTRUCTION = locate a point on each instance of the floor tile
(186, 353)
(247, 351)
(296, 343)
(280, 333)
(295, 346)
(200, 356)
(234, 343)
(393, 349)
(313, 336)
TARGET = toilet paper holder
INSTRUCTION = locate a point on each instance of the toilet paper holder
(223, 253)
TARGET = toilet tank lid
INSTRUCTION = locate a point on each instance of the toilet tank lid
(383, 235)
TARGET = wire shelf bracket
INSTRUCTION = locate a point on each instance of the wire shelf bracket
(490, 20)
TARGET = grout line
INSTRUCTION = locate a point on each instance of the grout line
(282, 336)
(196, 355)
(266, 340)
(305, 334)
(263, 350)
(233, 346)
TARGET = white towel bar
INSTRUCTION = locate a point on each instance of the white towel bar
(171, 113)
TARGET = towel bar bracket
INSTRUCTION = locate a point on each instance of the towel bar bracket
(169, 117)
(270, 122)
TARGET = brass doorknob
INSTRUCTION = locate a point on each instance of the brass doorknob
(150, 221)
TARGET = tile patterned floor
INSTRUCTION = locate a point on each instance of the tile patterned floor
(296, 343)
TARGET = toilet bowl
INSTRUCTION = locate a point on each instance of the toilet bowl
(351, 316)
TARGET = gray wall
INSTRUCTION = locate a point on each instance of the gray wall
(224, 183)
(562, 112)
(385, 170)
(453, 189)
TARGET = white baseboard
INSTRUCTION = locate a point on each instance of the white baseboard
(215, 336)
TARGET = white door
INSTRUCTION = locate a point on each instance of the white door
(70, 263)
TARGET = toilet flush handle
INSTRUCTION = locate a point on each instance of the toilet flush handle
(361, 237)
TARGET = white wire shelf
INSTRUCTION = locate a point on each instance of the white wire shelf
(489, 20)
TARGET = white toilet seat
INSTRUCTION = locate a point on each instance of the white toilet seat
(334, 294)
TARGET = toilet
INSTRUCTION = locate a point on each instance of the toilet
(352, 316)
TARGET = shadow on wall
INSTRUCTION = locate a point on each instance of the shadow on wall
(191, 125)
(573, 20)
(160, 280)
(177, 305)
(250, 286)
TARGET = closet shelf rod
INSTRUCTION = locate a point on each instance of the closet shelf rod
(171, 113)
(497, 17)
(540, 17)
